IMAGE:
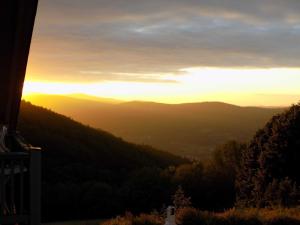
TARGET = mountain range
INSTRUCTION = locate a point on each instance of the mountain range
(191, 130)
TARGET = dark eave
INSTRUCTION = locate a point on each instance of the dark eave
(16, 24)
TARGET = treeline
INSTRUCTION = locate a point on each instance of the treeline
(84, 191)
(91, 174)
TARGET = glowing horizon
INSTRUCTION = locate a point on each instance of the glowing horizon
(264, 87)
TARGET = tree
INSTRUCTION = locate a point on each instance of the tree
(272, 159)
(180, 200)
(220, 175)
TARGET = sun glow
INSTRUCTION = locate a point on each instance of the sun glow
(238, 86)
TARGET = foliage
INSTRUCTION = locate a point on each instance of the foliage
(192, 216)
(270, 168)
(207, 183)
(180, 200)
(129, 219)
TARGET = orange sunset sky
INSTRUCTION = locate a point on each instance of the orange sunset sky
(173, 51)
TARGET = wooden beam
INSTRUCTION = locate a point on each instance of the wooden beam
(16, 21)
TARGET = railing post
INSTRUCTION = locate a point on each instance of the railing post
(35, 186)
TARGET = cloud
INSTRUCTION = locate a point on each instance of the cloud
(162, 36)
(130, 77)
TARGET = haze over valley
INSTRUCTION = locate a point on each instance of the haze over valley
(190, 130)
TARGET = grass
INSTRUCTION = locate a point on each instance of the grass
(192, 216)
(263, 214)
(129, 219)
(77, 222)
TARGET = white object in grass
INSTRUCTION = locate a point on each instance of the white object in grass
(170, 220)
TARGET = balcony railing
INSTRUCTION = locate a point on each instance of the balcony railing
(20, 182)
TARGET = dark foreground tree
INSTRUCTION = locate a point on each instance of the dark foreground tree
(180, 200)
(270, 167)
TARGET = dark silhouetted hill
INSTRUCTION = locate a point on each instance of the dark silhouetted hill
(85, 170)
(68, 139)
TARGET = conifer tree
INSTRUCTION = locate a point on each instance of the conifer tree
(180, 200)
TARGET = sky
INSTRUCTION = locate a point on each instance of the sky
(237, 51)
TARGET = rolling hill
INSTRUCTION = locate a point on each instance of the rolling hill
(84, 169)
(69, 140)
(192, 129)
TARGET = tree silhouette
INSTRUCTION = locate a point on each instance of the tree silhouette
(180, 200)
(271, 162)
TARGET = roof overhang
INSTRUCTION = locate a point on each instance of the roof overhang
(16, 22)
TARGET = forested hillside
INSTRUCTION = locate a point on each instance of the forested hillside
(84, 169)
(91, 174)
(191, 130)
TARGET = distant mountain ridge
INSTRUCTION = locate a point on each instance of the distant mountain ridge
(94, 98)
(189, 129)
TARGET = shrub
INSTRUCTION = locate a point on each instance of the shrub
(241, 217)
(118, 221)
(192, 216)
(145, 219)
(237, 220)
(189, 216)
(129, 219)
(282, 221)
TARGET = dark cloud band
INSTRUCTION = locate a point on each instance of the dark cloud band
(164, 36)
